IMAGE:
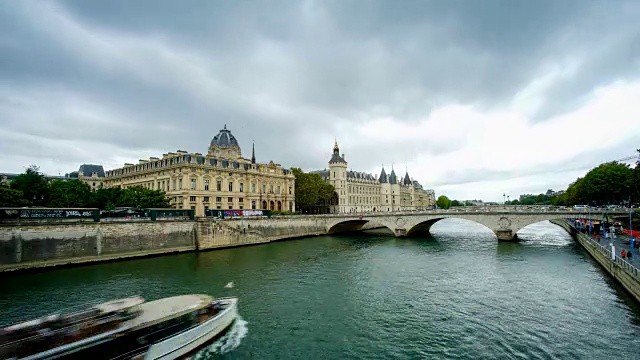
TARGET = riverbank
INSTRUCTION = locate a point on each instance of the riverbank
(622, 271)
(42, 245)
(38, 245)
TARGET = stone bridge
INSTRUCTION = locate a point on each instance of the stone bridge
(505, 224)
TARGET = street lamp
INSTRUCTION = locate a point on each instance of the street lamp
(504, 205)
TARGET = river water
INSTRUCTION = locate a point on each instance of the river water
(457, 295)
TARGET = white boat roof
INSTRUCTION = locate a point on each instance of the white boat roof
(154, 311)
(120, 304)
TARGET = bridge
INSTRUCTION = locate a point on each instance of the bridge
(504, 223)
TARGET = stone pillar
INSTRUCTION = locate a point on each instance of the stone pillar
(400, 232)
(505, 235)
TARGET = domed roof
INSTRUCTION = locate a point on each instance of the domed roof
(224, 138)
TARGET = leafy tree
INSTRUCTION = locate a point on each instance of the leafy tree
(443, 202)
(33, 186)
(312, 192)
(69, 194)
(11, 198)
(455, 203)
(142, 198)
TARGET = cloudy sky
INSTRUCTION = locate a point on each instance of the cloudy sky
(476, 98)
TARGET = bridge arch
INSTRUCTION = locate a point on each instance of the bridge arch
(423, 228)
(346, 226)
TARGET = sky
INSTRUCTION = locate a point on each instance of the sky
(475, 99)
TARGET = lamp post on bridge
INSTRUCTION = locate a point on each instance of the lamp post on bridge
(504, 204)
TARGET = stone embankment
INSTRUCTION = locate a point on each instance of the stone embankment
(45, 244)
(36, 245)
(624, 273)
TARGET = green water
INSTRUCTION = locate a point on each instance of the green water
(458, 295)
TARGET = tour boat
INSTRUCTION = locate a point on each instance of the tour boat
(129, 328)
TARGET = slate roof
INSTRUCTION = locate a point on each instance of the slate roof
(383, 177)
(224, 138)
(88, 169)
(360, 176)
(407, 179)
(393, 179)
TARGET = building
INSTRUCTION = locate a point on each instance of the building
(361, 192)
(92, 175)
(221, 179)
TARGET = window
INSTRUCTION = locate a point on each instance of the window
(193, 208)
(179, 183)
(241, 187)
(206, 184)
(180, 199)
(230, 199)
(241, 207)
(230, 185)
(193, 184)
(289, 190)
(205, 199)
(158, 185)
(264, 188)
(253, 187)
(230, 174)
(174, 184)
(253, 204)
(240, 199)
(206, 208)
(218, 199)
(271, 189)
(230, 207)
(278, 189)
(219, 185)
(192, 198)
(218, 207)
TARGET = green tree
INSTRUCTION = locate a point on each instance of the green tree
(33, 185)
(312, 192)
(455, 203)
(143, 198)
(11, 198)
(69, 194)
(443, 202)
(107, 198)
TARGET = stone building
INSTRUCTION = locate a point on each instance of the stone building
(221, 179)
(361, 192)
(92, 175)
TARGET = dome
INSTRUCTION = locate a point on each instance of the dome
(224, 139)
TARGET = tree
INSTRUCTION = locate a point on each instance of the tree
(69, 194)
(33, 186)
(143, 198)
(443, 202)
(312, 192)
(455, 203)
(11, 198)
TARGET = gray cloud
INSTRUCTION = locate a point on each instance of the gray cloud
(155, 76)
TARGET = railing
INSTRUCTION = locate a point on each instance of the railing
(631, 269)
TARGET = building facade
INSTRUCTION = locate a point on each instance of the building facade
(92, 175)
(361, 192)
(221, 179)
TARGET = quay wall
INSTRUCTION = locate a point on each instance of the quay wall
(45, 244)
(625, 274)
(35, 245)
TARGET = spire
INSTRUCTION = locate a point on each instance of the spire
(336, 149)
(225, 126)
(253, 152)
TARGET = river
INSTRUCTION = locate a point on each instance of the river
(457, 295)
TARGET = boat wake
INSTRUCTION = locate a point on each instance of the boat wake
(227, 342)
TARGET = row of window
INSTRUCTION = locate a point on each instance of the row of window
(164, 185)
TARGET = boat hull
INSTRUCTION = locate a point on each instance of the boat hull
(195, 338)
